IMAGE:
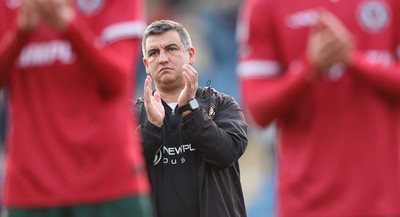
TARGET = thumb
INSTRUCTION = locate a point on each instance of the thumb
(157, 97)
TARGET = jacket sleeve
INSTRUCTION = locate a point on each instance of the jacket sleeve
(110, 64)
(269, 89)
(384, 78)
(11, 44)
(220, 141)
(268, 98)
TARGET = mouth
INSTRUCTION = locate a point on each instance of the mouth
(164, 69)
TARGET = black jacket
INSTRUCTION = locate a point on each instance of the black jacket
(219, 132)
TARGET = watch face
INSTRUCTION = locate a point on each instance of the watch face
(193, 104)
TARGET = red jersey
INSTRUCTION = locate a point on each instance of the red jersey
(71, 138)
(339, 138)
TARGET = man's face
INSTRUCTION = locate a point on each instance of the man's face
(164, 58)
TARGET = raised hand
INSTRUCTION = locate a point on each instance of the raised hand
(329, 42)
(29, 17)
(345, 38)
(154, 108)
(58, 13)
(191, 84)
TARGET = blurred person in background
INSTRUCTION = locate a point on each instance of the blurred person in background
(69, 70)
(192, 137)
(328, 73)
(3, 117)
(218, 25)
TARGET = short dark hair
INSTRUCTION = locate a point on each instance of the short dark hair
(161, 26)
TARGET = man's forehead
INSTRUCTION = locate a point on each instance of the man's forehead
(164, 39)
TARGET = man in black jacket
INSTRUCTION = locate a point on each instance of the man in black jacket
(192, 137)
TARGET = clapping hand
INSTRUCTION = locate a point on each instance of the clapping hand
(329, 42)
(58, 13)
(191, 84)
(154, 108)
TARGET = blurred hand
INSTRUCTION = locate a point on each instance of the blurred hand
(329, 42)
(28, 17)
(152, 103)
(191, 84)
(58, 13)
(339, 31)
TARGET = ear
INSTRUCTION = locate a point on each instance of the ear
(145, 63)
(192, 54)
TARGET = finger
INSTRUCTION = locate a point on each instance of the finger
(191, 72)
(148, 81)
(43, 5)
(190, 88)
(28, 5)
(48, 8)
(319, 48)
(332, 56)
(157, 97)
(332, 44)
(147, 89)
(190, 69)
(330, 20)
(188, 80)
(335, 25)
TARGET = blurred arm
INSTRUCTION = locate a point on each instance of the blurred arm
(270, 98)
(11, 44)
(268, 89)
(220, 141)
(385, 78)
(110, 64)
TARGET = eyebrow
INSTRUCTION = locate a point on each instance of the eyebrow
(152, 50)
(173, 44)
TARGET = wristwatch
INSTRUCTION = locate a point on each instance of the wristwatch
(191, 105)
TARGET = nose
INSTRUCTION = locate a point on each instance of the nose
(163, 57)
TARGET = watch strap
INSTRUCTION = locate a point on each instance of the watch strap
(184, 108)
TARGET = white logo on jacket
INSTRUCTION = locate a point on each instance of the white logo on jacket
(302, 19)
(46, 53)
(89, 6)
(373, 16)
(170, 155)
(12, 4)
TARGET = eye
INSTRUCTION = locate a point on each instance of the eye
(173, 49)
(152, 53)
